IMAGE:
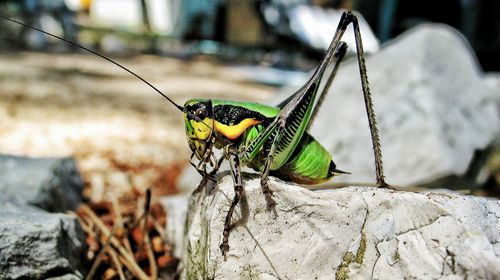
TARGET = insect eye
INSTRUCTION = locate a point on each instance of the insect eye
(201, 113)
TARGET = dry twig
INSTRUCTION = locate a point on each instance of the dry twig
(129, 260)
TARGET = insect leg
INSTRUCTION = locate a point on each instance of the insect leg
(264, 177)
(290, 103)
(207, 176)
(256, 144)
(339, 55)
(217, 165)
(201, 169)
(234, 162)
(377, 150)
(346, 19)
(297, 110)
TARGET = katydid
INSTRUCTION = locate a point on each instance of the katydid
(271, 140)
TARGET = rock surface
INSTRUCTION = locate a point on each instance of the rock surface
(349, 233)
(37, 245)
(176, 207)
(433, 107)
(53, 184)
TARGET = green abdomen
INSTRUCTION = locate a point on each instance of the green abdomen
(310, 163)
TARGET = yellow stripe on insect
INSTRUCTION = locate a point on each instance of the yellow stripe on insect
(234, 131)
(202, 130)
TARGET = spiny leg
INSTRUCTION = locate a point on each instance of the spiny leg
(201, 169)
(206, 157)
(264, 177)
(346, 19)
(234, 162)
(290, 104)
(197, 167)
(204, 180)
(206, 175)
(334, 49)
(377, 150)
(339, 55)
(217, 163)
(211, 175)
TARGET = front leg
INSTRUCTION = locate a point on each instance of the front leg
(206, 176)
(234, 162)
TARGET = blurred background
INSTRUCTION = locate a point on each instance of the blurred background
(271, 27)
(433, 68)
(57, 100)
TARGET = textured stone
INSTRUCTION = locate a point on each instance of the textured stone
(53, 184)
(433, 105)
(349, 233)
(37, 245)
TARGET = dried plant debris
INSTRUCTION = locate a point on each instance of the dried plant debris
(109, 172)
(126, 239)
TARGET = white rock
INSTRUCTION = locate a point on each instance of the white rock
(349, 233)
(433, 106)
(176, 207)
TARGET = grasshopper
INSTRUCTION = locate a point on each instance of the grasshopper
(271, 140)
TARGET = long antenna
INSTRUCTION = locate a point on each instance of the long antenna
(96, 53)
